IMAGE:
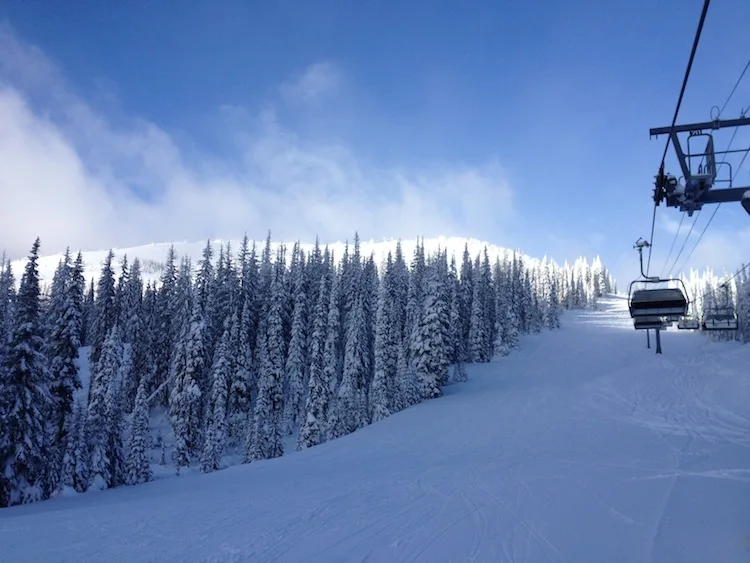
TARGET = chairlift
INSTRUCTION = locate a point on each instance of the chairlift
(649, 322)
(723, 317)
(720, 318)
(662, 302)
(688, 323)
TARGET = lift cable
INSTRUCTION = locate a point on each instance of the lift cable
(731, 140)
(718, 205)
(676, 112)
(674, 240)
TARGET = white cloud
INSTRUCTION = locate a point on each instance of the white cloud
(72, 177)
(317, 81)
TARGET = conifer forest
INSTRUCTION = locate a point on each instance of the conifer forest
(246, 351)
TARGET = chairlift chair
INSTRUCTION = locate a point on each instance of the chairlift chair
(688, 323)
(720, 318)
(662, 302)
(649, 322)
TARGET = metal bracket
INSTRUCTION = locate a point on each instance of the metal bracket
(697, 189)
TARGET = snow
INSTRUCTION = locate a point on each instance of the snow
(154, 255)
(582, 446)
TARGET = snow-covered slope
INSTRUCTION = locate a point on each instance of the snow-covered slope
(153, 256)
(584, 446)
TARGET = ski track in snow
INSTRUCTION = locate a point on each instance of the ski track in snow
(583, 446)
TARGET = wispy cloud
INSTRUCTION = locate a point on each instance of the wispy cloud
(319, 80)
(75, 177)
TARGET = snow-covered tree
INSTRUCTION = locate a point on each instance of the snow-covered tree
(75, 465)
(430, 346)
(186, 396)
(138, 464)
(312, 431)
(25, 399)
(216, 424)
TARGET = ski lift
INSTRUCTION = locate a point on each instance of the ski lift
(689, 323)
(723, 317)
(661, 302)
(649, 322)
(720, 318)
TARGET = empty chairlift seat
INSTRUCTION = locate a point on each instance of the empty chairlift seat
(721, 319)
(688, 323)
(667, 302)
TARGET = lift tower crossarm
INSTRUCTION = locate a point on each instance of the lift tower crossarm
(725, 195)
(700, 126)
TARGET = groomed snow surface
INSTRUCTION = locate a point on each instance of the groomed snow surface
(582, 447)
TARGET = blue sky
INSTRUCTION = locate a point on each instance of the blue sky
(525, 124)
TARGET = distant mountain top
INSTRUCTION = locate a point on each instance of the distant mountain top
(152, 256)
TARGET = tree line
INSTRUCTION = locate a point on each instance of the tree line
(243, 351)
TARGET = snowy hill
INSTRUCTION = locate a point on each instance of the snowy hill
(583, 446)
(152, 256)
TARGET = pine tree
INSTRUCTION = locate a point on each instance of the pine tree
(332, 364)
(186, 397)
(62, 344)
(351, 400)
(511, 331)
(381, 392)
(116, 471)
(25, 399)
(138, 465)
(7, 299)
(500, 347)
(408, 392)
(75, 467)
(269, 407)
(312, 431)
(430, 344)
(297, 362)
(478, 328)
(240, 398)
(102, 416)
(216, 427)
(105, 312)
(458, 341)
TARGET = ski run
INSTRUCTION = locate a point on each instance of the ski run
(583, 446)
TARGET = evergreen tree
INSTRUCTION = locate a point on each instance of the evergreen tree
(25, 399)
(478, 328)
(351, 400)
(312, 431)
(240, 398)
(63, 342)
(297, 361)
(102, 417)
(267, 432)
(386, 352)
(216, 430)
(116, 471)
(7, 299)
(138, 466)
(89, 311)
(186, 397)
(430, 345)
(75, 466)
(332, 363)
(458, 341)
(105, 312)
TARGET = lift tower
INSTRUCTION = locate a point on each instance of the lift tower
(698, 184)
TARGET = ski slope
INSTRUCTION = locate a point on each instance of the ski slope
(582, 447)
